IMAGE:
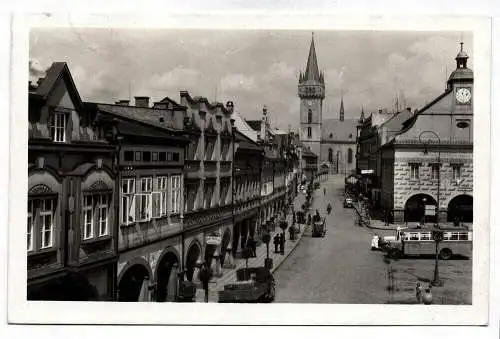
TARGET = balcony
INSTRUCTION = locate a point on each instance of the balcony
(225, 168)
(210, 169)
(202, 217)
(192, 169)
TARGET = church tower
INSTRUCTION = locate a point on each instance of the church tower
(311, 93)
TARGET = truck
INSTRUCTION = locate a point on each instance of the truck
(253, 284)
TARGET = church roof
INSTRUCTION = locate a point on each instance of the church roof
(339, 130)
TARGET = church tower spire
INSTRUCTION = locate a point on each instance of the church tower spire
(342, 106)
(311, 91)
(312, 70)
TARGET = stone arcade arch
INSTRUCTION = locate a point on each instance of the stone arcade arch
(226, 239)
(460, 209)
(166, 276)
(192, 257)
(131, 281)
(415, 208)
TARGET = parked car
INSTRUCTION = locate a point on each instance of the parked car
(347, 202)
(254, 284)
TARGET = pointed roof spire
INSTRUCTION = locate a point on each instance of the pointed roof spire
(342, 106)
(362, 116)
(462, 56)
(312, 71)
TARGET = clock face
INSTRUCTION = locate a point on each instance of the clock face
(463, 95)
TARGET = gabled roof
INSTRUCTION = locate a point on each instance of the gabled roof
(340, 130)
(172, 102)
(308, 154)
(395, 123)
(244, 127)
(55, 72)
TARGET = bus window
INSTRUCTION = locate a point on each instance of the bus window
(446, 236)
(463, 236)
(425, 236)
(413, 236)
(454, 236)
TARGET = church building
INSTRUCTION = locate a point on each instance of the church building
(332, 140)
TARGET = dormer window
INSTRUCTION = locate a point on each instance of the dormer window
(58, 126)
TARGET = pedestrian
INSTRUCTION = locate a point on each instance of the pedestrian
(205, 278)
(386, 217)
(282, 243)
(418, 291)
(254, 247)
(324, 191)
(276, 242)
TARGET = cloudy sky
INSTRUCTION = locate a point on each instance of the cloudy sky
(253, 68)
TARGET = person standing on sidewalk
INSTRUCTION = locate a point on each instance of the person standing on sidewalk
(282, 243)
(205, 278)
(276, 241)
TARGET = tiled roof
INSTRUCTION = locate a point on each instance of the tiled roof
(142, 114)
(395, 123)
(244, 127)
(340, 130)
(254, 124)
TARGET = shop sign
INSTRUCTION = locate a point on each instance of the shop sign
(368, 171)
(430, 210)
(213, 239)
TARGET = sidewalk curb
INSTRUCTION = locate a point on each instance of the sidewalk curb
(297, 243)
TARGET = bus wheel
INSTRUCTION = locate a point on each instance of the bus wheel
(445, 254)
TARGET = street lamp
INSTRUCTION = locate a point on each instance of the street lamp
(437, 235)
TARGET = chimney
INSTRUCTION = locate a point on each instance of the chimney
(142, 102)
(123, 102)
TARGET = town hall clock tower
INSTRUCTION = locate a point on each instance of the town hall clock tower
(311, 94)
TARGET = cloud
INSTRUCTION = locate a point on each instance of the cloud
(36, 69)
(180, 77)
(234, 82)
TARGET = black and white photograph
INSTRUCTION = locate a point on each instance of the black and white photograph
(285, 168)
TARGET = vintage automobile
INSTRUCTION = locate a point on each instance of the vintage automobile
(319, 228)
(347, 202)
(254, 284)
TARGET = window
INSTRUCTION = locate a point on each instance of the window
(209, 191)
(127, 207)
(102, 214)
(40, 223)
(144, 199)
(309, 132)
(46, 222)
(155, 156)
(146, 156)
(349, 156)
(169, 156)
(95, 214)
(309, 116)
(58, 127)
(457, 172)
(88, 219)
(434, 171)
(128, 156)
(30, 225)
(425, 236)
(414, 171)
(175, 156)
(175, 193)
(330, 155)
(137, 156)
(160, 197)
(163, 156)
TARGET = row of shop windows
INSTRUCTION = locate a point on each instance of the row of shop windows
(415, 171)
(148, 198)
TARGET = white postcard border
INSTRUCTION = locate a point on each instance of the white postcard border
(22, 311)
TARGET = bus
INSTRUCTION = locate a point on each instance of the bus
(414, 242)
